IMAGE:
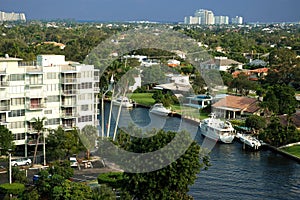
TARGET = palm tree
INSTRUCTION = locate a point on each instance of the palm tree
(39, 127)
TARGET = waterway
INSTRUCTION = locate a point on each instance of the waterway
(234, 173)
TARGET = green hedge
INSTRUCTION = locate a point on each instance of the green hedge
(14, 188)
(112, 179)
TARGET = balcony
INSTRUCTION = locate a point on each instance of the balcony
(69, 80)
(32, 142)
(35, 84)
(96, 78)
(68, 105)
(69, 115)
(69, 92)
(96, 89)
(4, 108)
(4, 83)
(3, 121)
(35, 106)
(31, 130)
(68, 126)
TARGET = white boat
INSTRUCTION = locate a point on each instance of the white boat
(249, 140)
(126, 103)
(217, 129)
(159, 109)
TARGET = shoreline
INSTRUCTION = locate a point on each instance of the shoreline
(283, 153)
(197, 121)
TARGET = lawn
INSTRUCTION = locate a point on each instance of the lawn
(146, 99)
(143, 98)
(294, 150)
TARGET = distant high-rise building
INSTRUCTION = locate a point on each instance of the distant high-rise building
(206, 16)
(12, 16)
(221, 20)
(192, 20)
(237, 20)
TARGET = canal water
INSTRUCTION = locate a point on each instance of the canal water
(234, 173)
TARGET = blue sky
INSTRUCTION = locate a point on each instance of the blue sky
(154, 10)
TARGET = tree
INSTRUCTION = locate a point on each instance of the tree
(103, 193)
(6, 139)
(243, 85)
(255, 122)
(38, 125)
(88, 136)
(61, 144)
(170, 182)
(72, 191)
(280, 99)
(19, 176)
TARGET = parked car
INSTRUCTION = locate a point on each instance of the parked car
(21, 162)
(73, 162)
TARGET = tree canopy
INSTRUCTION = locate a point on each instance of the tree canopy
(170, 182)
(6, 140)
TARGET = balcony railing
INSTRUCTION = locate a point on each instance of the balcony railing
(35, 106)
(3, 121)
(69, 126)
(69, 92)
(4, 83)
(4, 108)
(69, 115)
(69, 80)
(33, 142)
(68, 104)
(31, 130)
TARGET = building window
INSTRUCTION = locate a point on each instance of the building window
(17, 101)
(87, 118)
(19, 136)
(20, 124)
(52, 87)
(51, 75)
(54, 98)
(17, 77)
(48, 112)
(84, 107)
(36, 79)
(16, 113)
(54, 121)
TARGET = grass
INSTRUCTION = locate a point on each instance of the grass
(143, 98)
(294, 150)
(146, 99)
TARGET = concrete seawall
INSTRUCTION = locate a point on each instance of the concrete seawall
(279, 151)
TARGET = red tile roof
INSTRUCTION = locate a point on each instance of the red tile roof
(235, 102)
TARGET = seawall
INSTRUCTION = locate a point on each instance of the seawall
(279, 151)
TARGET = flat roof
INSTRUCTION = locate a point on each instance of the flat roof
(9, 59)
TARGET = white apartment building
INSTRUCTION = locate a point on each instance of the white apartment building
(4, 16)
(237, 20)
(192, 20)
(65, 93)
(221, 20)
(206, 16)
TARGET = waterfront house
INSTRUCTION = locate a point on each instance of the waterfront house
(235, 107)
(295, 119)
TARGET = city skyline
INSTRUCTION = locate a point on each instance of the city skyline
(166, 10)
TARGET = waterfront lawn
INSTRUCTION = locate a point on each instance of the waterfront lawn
(294, 150)
(147, 100)
(143, 98)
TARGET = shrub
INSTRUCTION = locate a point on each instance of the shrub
(14, 188)
(112, 179)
